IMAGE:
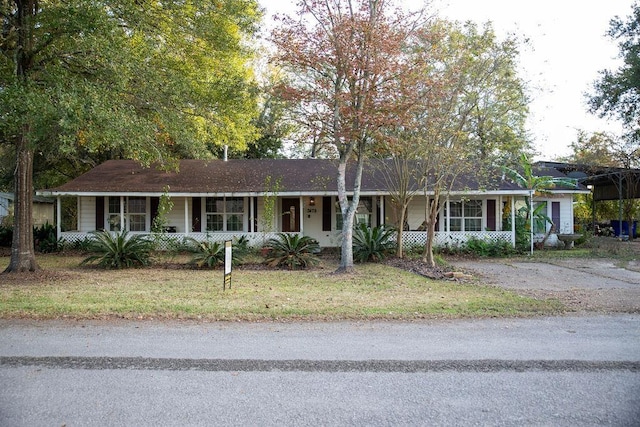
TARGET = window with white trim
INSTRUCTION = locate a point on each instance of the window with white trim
(363, 213)
(225, 213)
(135, 213)
(465, 215)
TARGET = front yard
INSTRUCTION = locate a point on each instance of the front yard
(376, 291)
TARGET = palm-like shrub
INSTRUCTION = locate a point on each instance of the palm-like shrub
(292, 251)
(206, 252)
(118, 250)
(372, 244)
(241, 246)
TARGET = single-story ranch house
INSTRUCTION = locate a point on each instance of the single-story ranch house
(222, 200)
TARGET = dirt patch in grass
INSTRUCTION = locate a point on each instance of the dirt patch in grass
(42, 277)
(418, 267)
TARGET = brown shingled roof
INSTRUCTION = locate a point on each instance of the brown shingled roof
(211, 176)
(232, 176)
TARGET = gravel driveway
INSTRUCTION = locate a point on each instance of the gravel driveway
(582, 284)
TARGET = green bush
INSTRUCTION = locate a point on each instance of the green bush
(83, 245)
(241, 246)
(485, 248)
(206, 252)
(119, 250)
(372, 244)
(212, 254)
(6, 236)
(46, 240)
(292, 251)
(523, 236)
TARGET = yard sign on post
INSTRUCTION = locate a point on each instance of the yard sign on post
(227, 264)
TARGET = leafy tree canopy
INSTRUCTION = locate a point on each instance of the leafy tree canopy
(617, 93)
(145, 80)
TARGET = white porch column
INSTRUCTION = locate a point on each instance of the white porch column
(122, 200)
(499, 213)
(186, 215)
(572, 230)
(381, 210)
(251, 216)
(448, 218)
(513, 221)
(301, 214)
(58, 216)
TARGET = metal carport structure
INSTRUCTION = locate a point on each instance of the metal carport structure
(606, 182)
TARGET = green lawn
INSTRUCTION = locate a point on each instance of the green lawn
(374, 292)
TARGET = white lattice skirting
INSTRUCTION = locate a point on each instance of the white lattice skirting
(454, 239)
(410, 238)
(167, 240)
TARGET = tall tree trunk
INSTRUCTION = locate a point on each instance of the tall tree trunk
(22, 248)
(348, 214)
(432, 209)
(400, 232)
(348, 209)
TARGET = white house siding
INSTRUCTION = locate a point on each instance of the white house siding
(260, 216)
(566, 217)
(566, 210)
(87, 214)
(566, 214)
(415, 213)
(313, 223)
(175, 217)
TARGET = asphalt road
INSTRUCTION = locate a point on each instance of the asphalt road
(549, 371)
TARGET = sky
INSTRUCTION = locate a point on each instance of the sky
(566, 49)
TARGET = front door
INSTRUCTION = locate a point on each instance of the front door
(290, 215)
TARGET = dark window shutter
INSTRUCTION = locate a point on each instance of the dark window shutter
(196, 211)
(491, 215)
(155, 204)
(255, 214)
(555, 215)
(326, 214)
(99, 213)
